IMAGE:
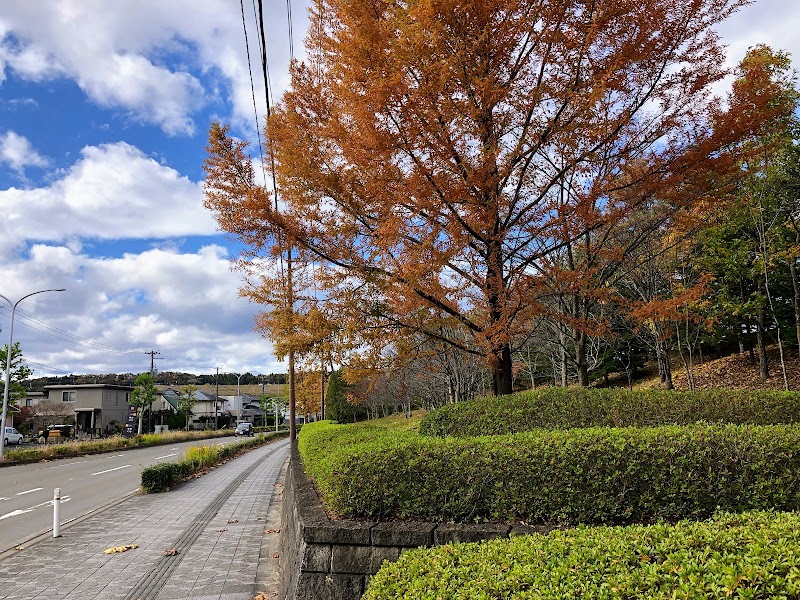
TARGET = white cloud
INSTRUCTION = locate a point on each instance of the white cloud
(18, 153)
(771, 22)
(184, 305)
(146, 57)
(112, 192)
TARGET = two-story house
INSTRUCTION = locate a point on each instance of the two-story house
(100, 408)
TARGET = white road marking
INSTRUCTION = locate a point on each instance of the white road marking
(109, 470)
(166, 456)
(4, 499)
(16, 513)
(80, 462)
(77, 462)
(28, 492)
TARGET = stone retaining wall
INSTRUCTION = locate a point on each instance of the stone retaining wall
(321, 559)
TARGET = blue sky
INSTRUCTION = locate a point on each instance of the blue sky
(104, 109)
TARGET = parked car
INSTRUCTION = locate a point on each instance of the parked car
(12, 436)
(244, 429)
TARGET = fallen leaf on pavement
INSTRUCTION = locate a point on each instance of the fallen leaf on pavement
(118, 549)
(276, 555)
(272, 531)
(261, 597)
(19, 547)
(171, 552)
(233, 520)
(221, 529)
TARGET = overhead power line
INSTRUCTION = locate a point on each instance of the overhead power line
(65, 335)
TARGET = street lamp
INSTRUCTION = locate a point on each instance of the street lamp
(13, 306)
(238, 378)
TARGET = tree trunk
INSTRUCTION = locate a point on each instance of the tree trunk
(502, 373)
(662, 355)
(580, 359)
(750, 348)
(564, 373)
(796, 288)
(763, 364)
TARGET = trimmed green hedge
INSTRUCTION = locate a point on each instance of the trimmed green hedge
(755, 555)
(598, 475)
(162, 477)
(563, 408)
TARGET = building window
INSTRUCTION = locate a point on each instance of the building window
(68, 396)
(28, 402)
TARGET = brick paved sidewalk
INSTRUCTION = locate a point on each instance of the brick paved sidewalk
(218, 523)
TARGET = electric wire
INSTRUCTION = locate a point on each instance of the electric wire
(23, 317)
(252, 87)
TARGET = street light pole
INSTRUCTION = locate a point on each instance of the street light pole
(13, 306)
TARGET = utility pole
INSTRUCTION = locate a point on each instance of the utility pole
(152, 354)
(216, 400)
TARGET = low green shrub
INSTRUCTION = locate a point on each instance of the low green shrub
(162, 477)
(753, 555)
(597, 475)
(563, 408)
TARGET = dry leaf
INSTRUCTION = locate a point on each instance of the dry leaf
(276, 555)
(272, 531)
(19, 547)
(222, 529)
(171, 552)
(118, 549)
(259, 518)
(261, 597)
(233, 520)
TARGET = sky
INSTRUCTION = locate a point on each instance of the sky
(104, 112)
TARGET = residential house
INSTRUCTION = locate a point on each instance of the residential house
(166, 402)
(99, 408)
(206, 409)
(245, 408)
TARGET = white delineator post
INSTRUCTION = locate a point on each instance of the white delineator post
(57, 512)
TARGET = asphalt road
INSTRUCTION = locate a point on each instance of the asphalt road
(87, 483)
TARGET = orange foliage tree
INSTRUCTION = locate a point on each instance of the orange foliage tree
(436, 157)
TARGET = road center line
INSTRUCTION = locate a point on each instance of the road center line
(109, 470)
(28, 492)
(166, 456)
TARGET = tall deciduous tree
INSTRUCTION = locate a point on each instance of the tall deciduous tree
(18, 372)
(437, 156)
(187, 401)
(143, 395)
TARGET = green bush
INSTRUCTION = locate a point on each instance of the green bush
(598, 475)
(755, 555)
(563, 408)
(162, 477)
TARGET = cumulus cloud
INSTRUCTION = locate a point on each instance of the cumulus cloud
(18, 153)
(184, 305)
(146, 57)
(112, 192)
